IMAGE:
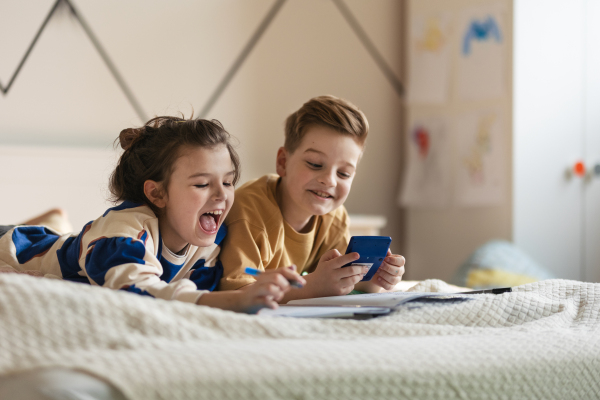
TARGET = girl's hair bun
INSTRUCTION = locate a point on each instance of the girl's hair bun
(152, 150)
(128, 136)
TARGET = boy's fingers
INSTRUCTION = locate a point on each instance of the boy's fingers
(381, 281)
(395, 259)
(355, 270)
(330, 255)
(392, 278)
(350, 281)
(392, 269)
(342, 260)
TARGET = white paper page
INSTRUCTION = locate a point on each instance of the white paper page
(320, 312)
(391, 299)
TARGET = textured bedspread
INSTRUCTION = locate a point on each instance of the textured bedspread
(540, 342)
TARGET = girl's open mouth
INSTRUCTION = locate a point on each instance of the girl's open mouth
(209, 221)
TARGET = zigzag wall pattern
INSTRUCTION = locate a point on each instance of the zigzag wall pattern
(90, 34)
(231, 72)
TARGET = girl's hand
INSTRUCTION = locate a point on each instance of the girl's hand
(269, 289)
(387, 276)
(330, 279)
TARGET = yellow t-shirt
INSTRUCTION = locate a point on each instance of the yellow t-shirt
(258, 236)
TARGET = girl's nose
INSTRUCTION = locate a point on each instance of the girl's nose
(220, 194)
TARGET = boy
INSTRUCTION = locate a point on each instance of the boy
(297, 217)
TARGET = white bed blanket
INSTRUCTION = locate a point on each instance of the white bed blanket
(541, 341)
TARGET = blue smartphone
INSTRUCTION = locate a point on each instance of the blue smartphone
(371, 249)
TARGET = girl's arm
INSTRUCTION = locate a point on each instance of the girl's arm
(267, 291)
(125, 263)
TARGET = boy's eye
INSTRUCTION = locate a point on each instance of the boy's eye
(227, 184)
(344, 175)
(313, 165)
(201, 186)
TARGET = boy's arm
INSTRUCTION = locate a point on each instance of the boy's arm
(244, 246)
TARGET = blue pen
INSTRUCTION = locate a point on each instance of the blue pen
(256, 272)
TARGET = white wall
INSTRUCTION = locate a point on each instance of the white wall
(556, 102)
(173, 54)
(34, 179)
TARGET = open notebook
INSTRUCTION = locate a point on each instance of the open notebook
(324, 311)
(390, 299)
(366, 304)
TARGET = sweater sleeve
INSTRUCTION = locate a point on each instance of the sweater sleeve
(121, 254)
(125, 263)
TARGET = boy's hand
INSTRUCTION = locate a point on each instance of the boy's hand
(269, 289)
(387, 276)
(330, 279)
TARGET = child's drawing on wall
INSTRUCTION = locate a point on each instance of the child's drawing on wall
(481, 59)
(427, 178)
(429, 59)
(481, 147)
(481, 163)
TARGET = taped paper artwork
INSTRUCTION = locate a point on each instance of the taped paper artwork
(481, 69)
(427, 178)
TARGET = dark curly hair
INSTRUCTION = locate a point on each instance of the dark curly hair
(151, 151)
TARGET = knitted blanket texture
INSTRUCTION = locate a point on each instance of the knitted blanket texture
(542, 341)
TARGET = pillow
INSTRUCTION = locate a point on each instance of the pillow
(499, 263)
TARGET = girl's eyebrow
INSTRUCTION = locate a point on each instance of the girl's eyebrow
(208, 174)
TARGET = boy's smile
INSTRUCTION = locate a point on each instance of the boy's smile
(317, 176)
(199, 196)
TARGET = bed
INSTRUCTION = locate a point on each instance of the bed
(542, 341)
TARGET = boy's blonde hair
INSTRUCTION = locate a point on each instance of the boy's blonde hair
(328, 111)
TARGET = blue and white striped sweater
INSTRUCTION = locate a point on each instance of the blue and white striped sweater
(121, 250)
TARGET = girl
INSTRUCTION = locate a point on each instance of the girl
(175, 181)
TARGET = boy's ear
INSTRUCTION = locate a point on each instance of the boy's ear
(154, 193)
(282, 157)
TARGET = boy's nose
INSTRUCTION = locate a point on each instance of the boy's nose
(328, 178)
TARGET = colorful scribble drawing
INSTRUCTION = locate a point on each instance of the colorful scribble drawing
(433, 37)
(426, 141)
(474, 162)
(481, 31)
(421, 138)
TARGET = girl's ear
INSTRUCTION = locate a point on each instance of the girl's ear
(154, 193)
(282, 157)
